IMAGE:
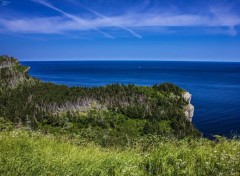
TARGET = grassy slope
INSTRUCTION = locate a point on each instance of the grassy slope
(33, 153)
(73, 150)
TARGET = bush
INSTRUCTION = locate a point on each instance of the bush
(32, 153)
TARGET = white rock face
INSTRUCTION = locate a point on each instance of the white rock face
(189, 109)
(187, 96)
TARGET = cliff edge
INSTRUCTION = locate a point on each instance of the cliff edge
(12, 72)
(109, 115)
(189, 108)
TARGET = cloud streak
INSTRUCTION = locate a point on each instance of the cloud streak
(112, 22)
(67, 23)
(76, 19)
(4, 3)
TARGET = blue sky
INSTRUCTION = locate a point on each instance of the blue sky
(192, 30)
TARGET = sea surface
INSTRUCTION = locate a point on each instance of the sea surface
(215, 86)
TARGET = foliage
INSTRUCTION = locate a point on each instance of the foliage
(109, 115)
(5, 124)
(49, 129)
(33, 153)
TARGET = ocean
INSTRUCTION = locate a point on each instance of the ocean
(215, 86)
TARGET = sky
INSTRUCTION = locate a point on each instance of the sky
(169, 30)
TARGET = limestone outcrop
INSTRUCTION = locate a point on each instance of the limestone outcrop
(189, 108)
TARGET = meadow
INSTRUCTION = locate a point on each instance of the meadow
(49, 129)
(24, 152)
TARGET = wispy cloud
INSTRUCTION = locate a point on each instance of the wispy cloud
(109, 20)
(4, 3)
(65, 23)
(72, 17)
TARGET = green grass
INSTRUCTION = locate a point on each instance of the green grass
(33, 153)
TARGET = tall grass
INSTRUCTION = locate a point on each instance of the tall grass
(33, 153)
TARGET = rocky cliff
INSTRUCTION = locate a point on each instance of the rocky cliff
(12, 72)
(120, 112)
(189, 108)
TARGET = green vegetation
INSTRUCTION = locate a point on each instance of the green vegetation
(11, 72)
(32, 153)
(110, 115)
(49, 129)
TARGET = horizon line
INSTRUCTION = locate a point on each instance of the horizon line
(128, 60)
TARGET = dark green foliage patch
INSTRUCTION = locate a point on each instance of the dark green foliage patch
(108, 115)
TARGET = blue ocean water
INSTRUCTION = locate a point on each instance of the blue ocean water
(215, 86)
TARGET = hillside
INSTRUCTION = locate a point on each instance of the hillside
(50, 129)
(109, 115)
(12, 72)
